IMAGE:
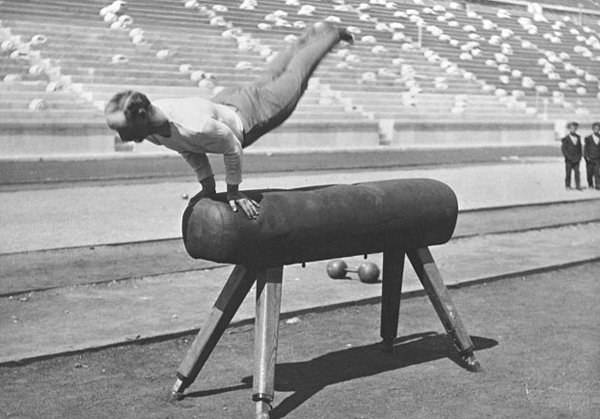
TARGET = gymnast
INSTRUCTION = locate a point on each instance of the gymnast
(231, 121)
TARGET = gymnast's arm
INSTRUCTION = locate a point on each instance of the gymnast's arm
(201, 165)
(219, 138)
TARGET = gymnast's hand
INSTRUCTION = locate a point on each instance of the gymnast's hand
(236, 198)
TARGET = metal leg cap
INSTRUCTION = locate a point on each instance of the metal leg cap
(175, 396)
(177, 390)
(473, 364)
(263, 410)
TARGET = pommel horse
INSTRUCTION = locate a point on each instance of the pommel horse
(396, 217)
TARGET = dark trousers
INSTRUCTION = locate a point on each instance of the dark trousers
(570, 166)
(593, 173)
(270, 100)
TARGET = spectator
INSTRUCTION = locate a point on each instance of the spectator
(571, 150)
(591, 154)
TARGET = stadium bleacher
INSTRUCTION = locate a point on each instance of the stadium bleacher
(441, 64)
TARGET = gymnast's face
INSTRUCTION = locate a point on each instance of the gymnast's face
(135, 129)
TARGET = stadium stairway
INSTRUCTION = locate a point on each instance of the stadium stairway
(415, 64)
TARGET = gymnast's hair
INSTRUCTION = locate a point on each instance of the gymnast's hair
(129, 101)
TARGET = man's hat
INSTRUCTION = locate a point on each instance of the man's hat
(573, 124)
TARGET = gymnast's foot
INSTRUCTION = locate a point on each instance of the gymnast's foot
(346, 36)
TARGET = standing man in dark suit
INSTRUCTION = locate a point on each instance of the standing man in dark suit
(591, 154)
(572, 150)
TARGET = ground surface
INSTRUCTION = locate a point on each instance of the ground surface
(81, 317)
(536, 337)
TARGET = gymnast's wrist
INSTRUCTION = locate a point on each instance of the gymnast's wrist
(208, 185)
(233, 194)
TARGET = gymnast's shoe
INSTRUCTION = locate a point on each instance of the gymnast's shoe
(346, 36)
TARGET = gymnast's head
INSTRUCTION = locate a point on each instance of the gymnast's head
(130, 114)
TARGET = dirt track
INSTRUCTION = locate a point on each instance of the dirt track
(537, 339)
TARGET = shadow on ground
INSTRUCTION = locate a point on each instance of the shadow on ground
(307, 378)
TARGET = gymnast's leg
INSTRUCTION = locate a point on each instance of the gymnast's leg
(278, 97)
(282, 58)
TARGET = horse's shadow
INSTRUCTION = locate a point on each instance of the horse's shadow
(307, 378)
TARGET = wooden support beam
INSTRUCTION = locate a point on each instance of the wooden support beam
(266, 334)
(427, 271)
(229, 300)
(391, 289)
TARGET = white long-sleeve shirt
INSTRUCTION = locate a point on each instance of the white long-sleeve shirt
(199, 126)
